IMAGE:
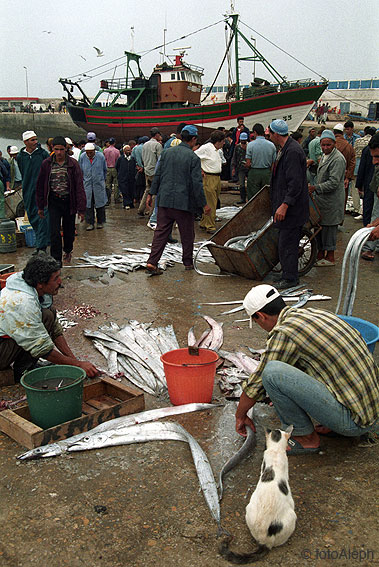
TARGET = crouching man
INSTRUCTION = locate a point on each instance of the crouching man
(315, 365)
(29, 328)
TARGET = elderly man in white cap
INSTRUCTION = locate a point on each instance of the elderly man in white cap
(315, 365)
(29, 161)
(289, 200)
(72, 151)
(16, 177)
(94, 170)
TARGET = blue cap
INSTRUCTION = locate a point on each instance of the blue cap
(328, 134)
(361, 133)
(192, 130)
(91, 136)
(279, 127)
(112, 140)
(143, 139)
(243, 136)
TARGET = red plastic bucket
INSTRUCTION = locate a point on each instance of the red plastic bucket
(190, 377)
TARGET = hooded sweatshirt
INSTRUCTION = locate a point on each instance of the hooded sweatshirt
(21, 317)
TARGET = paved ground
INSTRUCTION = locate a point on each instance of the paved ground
(155, 513)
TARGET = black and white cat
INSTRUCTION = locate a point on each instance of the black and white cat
(270, 514)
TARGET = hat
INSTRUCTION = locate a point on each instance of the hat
(328, 134)
(338, 127)
(243, 136)
(13, 150)
(91, 136)
(258, 297)
(28, 134)
(154, 131)
(112, 140)
(89, 146)
(279, 127)
(361, 133)
(192, 130)
(69, 141)
(143, 139)
(59, 141)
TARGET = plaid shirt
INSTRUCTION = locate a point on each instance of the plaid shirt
(325, 347)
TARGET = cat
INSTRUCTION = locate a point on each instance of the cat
(270, 514)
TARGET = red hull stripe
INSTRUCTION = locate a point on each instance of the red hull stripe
(195, 120)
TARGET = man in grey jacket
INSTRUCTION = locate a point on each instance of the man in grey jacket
(179, 188)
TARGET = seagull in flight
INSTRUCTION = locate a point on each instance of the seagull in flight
(99, 52)
(45, 31)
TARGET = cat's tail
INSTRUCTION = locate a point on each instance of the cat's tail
(241, 558)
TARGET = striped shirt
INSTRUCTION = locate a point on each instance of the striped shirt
(325, 347)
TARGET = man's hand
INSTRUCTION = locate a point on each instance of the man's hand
(242, 420)
(41, 214)
(346, 183)
(281, 212)
(375, 233)
(207, 210)
(81, 217)
(310, 162)
(233, 171)
(311, 189)
(139, 169)
(241, 425)
(149, 201)
(90, 368)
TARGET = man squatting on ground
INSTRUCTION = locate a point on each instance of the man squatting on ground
(315, 365)
(60, 189)
(29, 328)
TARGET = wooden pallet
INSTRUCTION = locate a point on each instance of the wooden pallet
(103, 399)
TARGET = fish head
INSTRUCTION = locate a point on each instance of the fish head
(88, 442)
(52, 450)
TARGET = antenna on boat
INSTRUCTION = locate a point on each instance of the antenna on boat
(132, 39)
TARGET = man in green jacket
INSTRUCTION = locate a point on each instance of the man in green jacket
(29, 161)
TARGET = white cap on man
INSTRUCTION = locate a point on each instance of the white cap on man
(338, 127)
(13, 150)
(258, 297)
(69, 141)
(89, 146)
(28, 134)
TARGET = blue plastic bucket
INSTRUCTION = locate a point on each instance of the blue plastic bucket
(369, 331)
(30, 235)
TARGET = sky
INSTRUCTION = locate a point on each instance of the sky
(335, 38)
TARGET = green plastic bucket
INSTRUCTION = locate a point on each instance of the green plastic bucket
(51, 399)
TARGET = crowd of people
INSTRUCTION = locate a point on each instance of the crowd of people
(74, 181)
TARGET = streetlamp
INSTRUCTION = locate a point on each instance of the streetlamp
(27, 84)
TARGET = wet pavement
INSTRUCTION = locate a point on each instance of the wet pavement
(149, 509)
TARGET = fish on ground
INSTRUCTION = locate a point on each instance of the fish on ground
(247, 447)
(59, 447)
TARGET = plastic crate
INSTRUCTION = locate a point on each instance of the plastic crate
(30, 235)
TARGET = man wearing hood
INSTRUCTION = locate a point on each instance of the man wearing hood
(29, 328)
(29, 161)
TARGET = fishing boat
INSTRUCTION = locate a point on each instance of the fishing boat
(172, 95)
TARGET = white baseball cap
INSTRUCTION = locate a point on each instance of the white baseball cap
(28, 134)
(338, 127)
(89, 146)
(69, 141)
(13, 150)
(258, 297)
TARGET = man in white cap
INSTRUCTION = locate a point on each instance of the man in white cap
(16, 177)
(289, 200)
(315, 365)
(72, 151)
(29, 161)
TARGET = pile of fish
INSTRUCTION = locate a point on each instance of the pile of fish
(136, 258)
(242, 242)
(227, 213)
(135, 349)
(352, 255)
(82, 311)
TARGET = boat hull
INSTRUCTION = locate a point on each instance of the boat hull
(292, 105)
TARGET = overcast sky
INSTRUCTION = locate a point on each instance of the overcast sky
(336, 38)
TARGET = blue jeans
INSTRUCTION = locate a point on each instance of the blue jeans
(297, 397)
(153, 217)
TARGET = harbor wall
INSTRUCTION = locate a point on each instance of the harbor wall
(45, 124)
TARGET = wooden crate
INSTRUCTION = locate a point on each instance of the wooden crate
(103, 399)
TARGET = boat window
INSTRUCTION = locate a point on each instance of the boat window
(178, 76)
(220, 89)
(183, 75)
(214, 89)
(172, 76)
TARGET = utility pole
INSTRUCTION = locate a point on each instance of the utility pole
(27, 84)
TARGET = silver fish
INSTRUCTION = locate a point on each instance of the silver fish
(216, 336)
(303, 299)
(191, 339)
(244, 451)
(159, 432)
(59, 447)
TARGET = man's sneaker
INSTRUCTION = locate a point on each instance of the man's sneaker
(285, 284)
(152, 225)
(171, 240)
(90, 227)
(100, 225)
(358, 217)
(67, 256)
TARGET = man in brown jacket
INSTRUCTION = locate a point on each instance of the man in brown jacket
(348, 153)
